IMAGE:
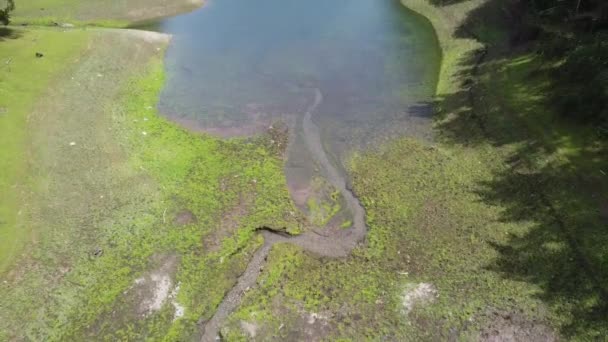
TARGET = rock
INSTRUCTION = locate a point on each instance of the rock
(98, 252)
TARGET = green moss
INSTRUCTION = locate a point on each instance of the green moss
(446, 21)
(325, 204)
(346, 224)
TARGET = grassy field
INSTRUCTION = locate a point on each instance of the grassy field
(111, 13)
(24, 79)
(121, 206)
(494, 231)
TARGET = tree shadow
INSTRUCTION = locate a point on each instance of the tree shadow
(446, 2)
(563, 252)
(554, 180)
(8, 33)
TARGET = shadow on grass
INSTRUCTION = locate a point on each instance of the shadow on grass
(554, 179)
(8, 33)
(446, 2)
(564, 250)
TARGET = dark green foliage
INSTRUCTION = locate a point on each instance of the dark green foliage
(573, 44)
(579, 15)
(9, 5)
(583, 81)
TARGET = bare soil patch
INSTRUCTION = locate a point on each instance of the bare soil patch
(512, 327)
(416, 295)
(185, 217)
(153, 288)
(228, 225)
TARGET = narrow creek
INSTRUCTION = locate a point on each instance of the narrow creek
(338, 243)
(343, 74)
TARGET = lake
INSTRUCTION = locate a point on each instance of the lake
(235, 67)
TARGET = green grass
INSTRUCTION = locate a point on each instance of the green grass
(49, 12)
(119, 188)
(325, 205)
(454, 48)
(24, 79)
(110, 13)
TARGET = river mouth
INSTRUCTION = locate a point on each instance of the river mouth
(235, 67)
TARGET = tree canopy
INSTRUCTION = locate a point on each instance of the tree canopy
(568, 9)
(6, 6)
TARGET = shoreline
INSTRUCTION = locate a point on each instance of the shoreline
(445, 21)
(107, 16)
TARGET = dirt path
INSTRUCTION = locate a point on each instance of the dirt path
(334, 243)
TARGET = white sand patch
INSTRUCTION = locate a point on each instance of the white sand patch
(313, 317)
(155, 288)
(179, 309)
(250, 328)
(161, 286)
(422, 293)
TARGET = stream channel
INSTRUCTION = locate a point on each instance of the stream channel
(343, 75)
